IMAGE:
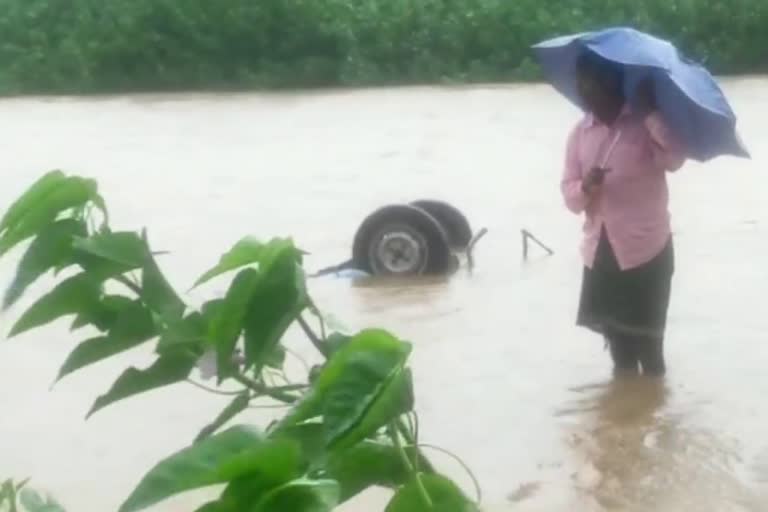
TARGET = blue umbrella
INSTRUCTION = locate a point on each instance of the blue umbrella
(688, 98)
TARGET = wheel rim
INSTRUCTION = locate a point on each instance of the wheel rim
(398, 251)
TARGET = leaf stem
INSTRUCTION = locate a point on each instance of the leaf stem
(135, 288)
(411, 441)
(393, 432)
(279, 393)
(213, 390)
(314, 338)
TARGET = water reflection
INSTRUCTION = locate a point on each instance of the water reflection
(638, 453)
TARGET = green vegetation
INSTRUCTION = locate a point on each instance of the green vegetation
(96, 46)
(348, 426)
(17, 497)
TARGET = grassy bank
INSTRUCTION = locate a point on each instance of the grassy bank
(81, 46)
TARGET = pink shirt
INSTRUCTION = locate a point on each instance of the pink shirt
(633, 202)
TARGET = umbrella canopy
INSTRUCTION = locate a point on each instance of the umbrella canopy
(687, 95)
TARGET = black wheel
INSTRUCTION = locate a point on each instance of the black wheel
(454, 222)
(401, 240)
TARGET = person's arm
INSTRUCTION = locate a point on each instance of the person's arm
(668, 151)
(571, 184)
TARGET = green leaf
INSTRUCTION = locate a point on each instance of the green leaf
(235, 407)
(368, 464)
(227, 323)
(166, 370)
(124, 247)
(70, 193)
(275, 304)
(347, 425)
(30, 197)
(245, 252)
(185, 334)
(249, 251)
(446, 496)
(276, 359)
(103, 314)
(302, 495)
(311, 438)
(217, 506)
(33, 502)
(77, 293)
(157, 292)
(336, 340)
(133, 326)
(52, 248)
(229, 455)
(359, 389)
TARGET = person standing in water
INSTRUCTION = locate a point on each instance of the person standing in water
(616, 162)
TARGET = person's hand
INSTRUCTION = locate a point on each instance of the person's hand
(593, 180)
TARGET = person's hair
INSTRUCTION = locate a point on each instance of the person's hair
(608, 73)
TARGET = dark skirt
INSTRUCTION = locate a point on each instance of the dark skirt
(631, 302)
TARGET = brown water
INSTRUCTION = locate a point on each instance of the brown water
(503, 377)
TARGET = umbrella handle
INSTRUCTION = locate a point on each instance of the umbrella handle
(608, 153)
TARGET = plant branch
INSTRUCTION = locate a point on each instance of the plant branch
(393, 432)
(463, 464)
(135, 288)
(278, 393)
(314, 338)
(213, 390)
(409, 439)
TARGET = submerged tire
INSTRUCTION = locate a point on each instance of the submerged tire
(401, 240)
(455, 224)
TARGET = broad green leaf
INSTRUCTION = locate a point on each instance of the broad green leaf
(166, 370)
(98, 267)
(311, 437)
(229, 455)
(345, 427)
(279, 461)
(133, 326)
(77, 293)
(276, 359)
(227, 323)
(217, 506)
(374, 349)
(245, 252)
(368, 464)
(103, 314)
(187, 333)
(336, 340)
(33, 502)
(124, 247)
(445, 495)
(29, 199)
(235, 407)
(70, 193)
(157, 292)
(276, 302)
(302, 495)
(50, 249)
(249, 251)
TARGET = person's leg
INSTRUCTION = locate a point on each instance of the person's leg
(623, 353)
(651, 355)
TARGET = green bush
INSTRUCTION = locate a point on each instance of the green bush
(115, 45)
(350, 425)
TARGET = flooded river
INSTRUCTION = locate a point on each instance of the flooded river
(503, 377)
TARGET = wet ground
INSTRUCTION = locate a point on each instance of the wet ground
(503, 377)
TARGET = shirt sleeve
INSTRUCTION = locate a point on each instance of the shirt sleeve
(669, 152)
(570, 185)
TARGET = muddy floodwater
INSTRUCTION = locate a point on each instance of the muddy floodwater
(503, 377)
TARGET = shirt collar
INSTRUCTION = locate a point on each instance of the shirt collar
(626, 111)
